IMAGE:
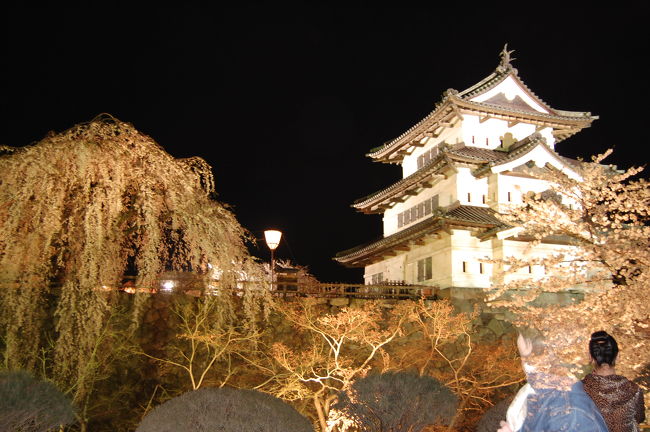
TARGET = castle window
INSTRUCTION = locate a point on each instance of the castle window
(426, 157)
(480, 268)
(472, 139)
(469, 197)
(416, 212)
(435, 202)
(377, 278)
(425, 269)
(464, 266)
(483, 199)
(530, 268)
(509, 197)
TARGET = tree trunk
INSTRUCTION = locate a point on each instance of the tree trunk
(321, 414)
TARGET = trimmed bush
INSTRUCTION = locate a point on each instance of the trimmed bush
(225, 410)
(491, 419)
(395, 402)
(30, 405)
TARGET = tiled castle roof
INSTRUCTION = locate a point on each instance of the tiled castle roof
(453, 100)
(481, 158)
(455, 215)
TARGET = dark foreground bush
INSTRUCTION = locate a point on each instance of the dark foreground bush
(30, 405)
(396, 402)
(492, 417)
(224, 410)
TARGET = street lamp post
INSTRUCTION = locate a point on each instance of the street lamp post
(272, 238)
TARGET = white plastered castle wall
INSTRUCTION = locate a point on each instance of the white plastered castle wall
(467, 267)
(489, 133)
(391, 269)
(524, 250)
(471, 190)
(403, 267)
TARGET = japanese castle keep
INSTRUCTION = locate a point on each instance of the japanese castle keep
(472, 154)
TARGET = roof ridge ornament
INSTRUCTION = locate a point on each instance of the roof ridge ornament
(505, 65)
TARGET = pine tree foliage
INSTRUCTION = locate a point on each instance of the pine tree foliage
(81, 209)
(224, 409)
(393, 402)
(29, 405)
(602, 215)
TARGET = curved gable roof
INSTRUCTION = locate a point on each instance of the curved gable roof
(526, 104)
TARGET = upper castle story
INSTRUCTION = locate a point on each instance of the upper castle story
(471, 150)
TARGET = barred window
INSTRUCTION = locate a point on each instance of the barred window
(416, 212)
(425, 269)
(427, 157)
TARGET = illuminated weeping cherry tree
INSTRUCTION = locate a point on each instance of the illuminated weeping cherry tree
(603, 217)
(80, 210)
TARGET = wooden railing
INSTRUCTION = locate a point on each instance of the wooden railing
(378, 291)
(286, 287)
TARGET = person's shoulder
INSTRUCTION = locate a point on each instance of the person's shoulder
(628, 389)
(588, 379)
(631, 386)
(635, 387)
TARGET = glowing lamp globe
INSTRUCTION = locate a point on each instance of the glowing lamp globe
(272, 238)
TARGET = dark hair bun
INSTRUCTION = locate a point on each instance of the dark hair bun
(603, 348)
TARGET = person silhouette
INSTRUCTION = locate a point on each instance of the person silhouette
(619, 400)
(555, 400)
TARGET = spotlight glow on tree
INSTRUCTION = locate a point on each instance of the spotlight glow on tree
(608, 232)
(80, 210)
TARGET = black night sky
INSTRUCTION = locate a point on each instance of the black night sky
(284, 103)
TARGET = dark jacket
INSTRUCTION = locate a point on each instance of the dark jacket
(619, 400)
(551, 410)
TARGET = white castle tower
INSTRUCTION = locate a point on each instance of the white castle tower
(477, 150)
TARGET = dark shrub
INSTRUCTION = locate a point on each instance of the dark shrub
(30, 405)
(224, 410)
(493, 416)
(396, 402)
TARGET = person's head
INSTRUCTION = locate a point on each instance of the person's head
(540, 353)
(603, 348)
(530, 341)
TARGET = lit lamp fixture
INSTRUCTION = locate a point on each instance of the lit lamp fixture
(272, 238)
(167, 286)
